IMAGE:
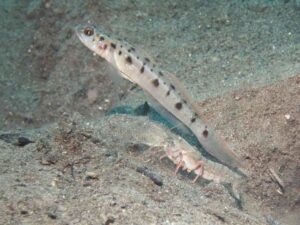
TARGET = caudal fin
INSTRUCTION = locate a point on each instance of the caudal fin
(217, 147)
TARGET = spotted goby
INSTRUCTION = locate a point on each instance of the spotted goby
(164, 87)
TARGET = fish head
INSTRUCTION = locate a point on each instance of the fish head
(93, 39)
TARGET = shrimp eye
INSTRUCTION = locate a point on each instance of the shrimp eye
(88, 31)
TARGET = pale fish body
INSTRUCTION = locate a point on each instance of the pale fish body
(161, 85)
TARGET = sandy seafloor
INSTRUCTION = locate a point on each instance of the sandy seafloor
(63, 161)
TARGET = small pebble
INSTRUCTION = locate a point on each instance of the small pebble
(22, 141)
(109, 220)
(24, 212)
(47, 5)
(52, 215)
(53, 183)
(287, 116)
(215, 59)
(45, 162)
(155, 178)
(92, 95)
(91, 175)
(52, 212)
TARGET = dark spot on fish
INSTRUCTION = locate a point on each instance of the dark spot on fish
(101, 38)
(147, 59)
(178, 105)
(160, 73)
(120, 52)
(142, 69)
(104, 46)
(151, 69)
(193, 119)
(184, 101)
(113, 45)
(121, 46)
(168, 93)
(205, 133)
(131, 49)
(138, 57)
(172, 86)
(155, 82)
(128, 60)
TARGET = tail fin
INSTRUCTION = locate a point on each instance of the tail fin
(217, 147)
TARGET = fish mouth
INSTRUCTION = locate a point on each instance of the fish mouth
(79, 31)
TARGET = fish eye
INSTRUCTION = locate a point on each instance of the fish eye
(88, 31)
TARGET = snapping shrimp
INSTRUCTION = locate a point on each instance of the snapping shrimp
(184, 158)
(187, 158)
